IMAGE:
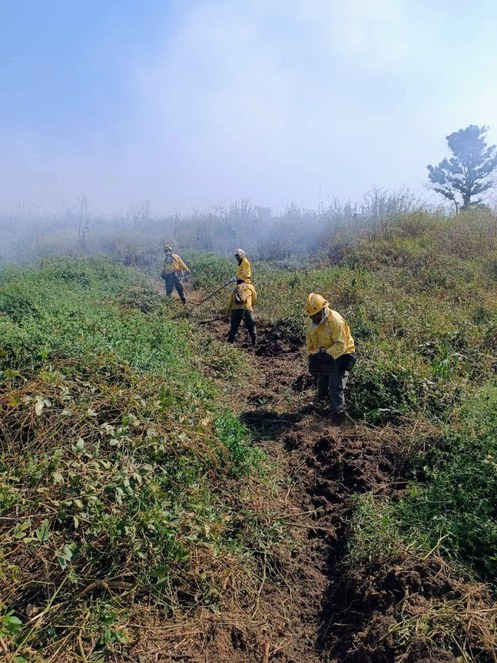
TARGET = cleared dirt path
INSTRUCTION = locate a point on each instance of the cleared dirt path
(326, 464)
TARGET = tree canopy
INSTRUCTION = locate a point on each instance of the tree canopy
(467, 172)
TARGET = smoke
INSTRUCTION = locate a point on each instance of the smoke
(293, 236)
(289, 101)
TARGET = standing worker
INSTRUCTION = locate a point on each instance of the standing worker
(240, 307)
(331, 352)
(172, 273)
(244, 271)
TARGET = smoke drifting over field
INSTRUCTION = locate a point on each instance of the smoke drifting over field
(137, 236)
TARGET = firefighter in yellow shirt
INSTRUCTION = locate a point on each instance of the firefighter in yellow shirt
(241, 307)
(244, 271)
(331, 351)
(173, 270)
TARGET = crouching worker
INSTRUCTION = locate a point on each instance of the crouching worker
(240, 307)
(172, 273)
(331, 353)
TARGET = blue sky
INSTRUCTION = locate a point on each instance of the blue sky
(192, 103)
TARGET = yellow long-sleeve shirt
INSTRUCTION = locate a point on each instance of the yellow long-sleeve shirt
(244, 270)
(249, 294)
(176, 265)
(333, 333)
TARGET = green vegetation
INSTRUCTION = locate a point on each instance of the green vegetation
(121, 472)
(123, 468)
(452, 496)
(373, 532)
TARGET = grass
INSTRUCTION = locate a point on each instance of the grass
(405, 578)
(122, 464)
(451, 496)
(121, 472)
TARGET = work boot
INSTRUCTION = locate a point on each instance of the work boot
(319, 403)
(254, 341)
(337, 418)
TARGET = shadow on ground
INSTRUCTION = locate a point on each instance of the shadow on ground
(268, 424)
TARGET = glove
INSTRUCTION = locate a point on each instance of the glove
(321, 362)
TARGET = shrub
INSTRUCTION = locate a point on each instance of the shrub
(209, 270)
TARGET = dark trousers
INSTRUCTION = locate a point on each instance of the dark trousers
(332, 385)
(237, 315)
(172, 281)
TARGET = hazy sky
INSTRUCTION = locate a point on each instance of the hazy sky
(197, 102)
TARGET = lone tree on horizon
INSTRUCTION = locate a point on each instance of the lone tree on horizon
(467, 173)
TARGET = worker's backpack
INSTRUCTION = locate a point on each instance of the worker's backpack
(240, 294)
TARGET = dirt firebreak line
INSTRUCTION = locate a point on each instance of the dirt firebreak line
(338, 615)
(324, 473)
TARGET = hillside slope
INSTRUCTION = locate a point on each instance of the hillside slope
(164, 496)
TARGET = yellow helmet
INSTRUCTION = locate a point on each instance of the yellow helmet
(315, 303)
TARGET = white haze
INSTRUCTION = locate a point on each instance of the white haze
(288, 101)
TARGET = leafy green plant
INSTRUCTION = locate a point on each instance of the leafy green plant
(10, 625)
(233, 434)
